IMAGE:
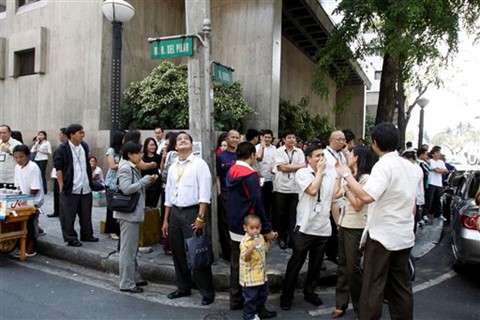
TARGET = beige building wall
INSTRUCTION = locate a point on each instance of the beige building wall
(353, 117)
(296, 82)
(247, 36)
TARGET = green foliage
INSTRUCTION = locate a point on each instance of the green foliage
(456, 138)
(161, 99)
(369, 124)
(296, 117)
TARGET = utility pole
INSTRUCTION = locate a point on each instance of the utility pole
(200, 98)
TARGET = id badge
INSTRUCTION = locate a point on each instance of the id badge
(318, 207)
(3, 157)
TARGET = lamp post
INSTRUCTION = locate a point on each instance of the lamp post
(422, 103)
(117, 12)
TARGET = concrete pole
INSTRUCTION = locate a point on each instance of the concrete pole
(420, 128)
(200, 98)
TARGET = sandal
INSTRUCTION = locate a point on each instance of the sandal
(338, 313)
(113, 236)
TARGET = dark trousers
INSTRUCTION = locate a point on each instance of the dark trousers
(236, 297)
(42, 164)
(331, 250)
(32, 226)
(255, 299)
(70, 206)
(267, 196)
(180, 228)
(304, 244)
(432, 201)
(385, 272)
(111, 224)
(56, 197)
(223, 227)
(349, 270)
(152, 194)
(286, 215)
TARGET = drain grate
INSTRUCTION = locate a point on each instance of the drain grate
(215, 316)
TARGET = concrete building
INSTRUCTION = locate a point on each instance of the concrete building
(55, 60)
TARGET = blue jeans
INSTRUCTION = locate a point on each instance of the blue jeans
(255, 298)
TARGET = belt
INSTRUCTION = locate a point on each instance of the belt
(187, 208)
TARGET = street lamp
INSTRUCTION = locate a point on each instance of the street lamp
(117, 12)
(422, 103)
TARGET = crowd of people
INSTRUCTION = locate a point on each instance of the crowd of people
(320, 199)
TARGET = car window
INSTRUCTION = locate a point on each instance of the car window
(457, 176)
(462, 186)
(474, 184)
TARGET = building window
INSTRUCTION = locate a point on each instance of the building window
(25, 62)
(25, 2)
(3, 5)
(378, 75)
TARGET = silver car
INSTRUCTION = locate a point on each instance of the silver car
(464, 215)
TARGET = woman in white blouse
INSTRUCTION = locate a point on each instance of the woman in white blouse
(42, 149)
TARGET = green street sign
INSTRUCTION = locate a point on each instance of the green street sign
(173, 48)
(222, 74)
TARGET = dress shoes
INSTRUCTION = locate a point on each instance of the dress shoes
(177, 294)
(264, 313)
(282, 244)
(52, 215)
(90, 239)
(74, 243)
(133, 290)
(236, 306)
(314, 299)
(142, 283)
(285, 304)
(206, 300)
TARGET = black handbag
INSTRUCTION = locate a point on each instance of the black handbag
(199, 252)
(118, 201)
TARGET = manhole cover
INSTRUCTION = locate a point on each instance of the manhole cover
(215, 316)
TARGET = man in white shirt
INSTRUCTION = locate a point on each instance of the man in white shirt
(187, 196)
(435, 185)
(159, 139)
(7, 162)
(265, 157)
(288, 159)
(29, 179)
(388, 236)
(312, 228)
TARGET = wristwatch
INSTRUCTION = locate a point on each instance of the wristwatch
(345, 175)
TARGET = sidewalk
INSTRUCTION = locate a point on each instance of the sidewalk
(158, 267)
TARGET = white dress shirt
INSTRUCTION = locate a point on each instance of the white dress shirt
(268, 161)
(285, 181)
(393, 185)
(81, 183)
(43, 150)
(29, 178)
(7, 162)
(189, 183)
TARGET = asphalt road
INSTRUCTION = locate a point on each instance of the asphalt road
(42, 288)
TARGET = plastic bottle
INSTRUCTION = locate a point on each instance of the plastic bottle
(256, 237)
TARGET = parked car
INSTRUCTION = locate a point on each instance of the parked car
(451, 185)
(464, 216)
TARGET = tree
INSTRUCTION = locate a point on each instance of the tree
(408, 34)
(456, 138)
(161, 99)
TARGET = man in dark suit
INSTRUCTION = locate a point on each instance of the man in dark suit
(74, 177)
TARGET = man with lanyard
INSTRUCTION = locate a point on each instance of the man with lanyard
(7, 162)
(225, 160)
(74, 177)
(187, 196)
(312, 227)
(388, 236)
(333, 155)
(288, 159)
(266, 161)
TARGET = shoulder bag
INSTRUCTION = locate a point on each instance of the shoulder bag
(118, 201)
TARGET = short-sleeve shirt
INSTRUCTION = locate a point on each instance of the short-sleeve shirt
(252, 273)
(225, 161)
(7, 162)
(268, 161)
(309, 220)
(285, 181)
(29, 178)
(435, 178)
(393, 185)
(350, 218)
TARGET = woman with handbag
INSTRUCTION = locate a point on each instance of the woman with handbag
(113, 158)
(130, 181)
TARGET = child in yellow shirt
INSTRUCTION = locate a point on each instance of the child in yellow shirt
(253, 276)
